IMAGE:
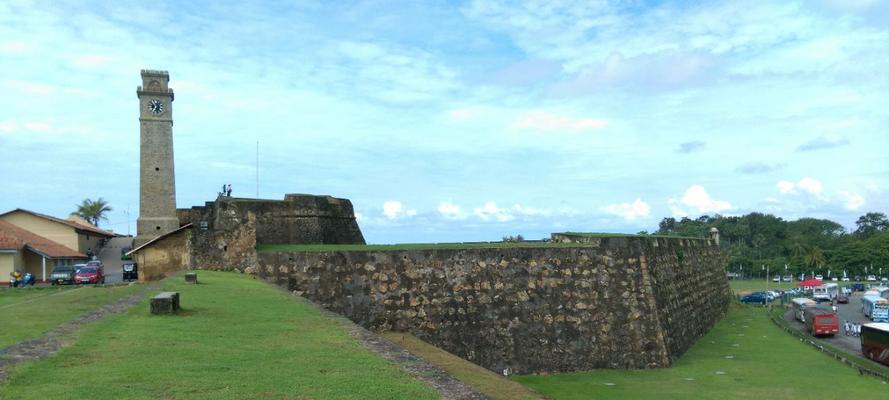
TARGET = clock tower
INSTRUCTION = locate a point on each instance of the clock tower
(157, 185)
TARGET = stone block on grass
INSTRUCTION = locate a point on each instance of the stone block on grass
(191, 277)
(165, 303)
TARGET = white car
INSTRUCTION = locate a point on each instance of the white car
(845, 279)
(776, 279)
(834, 279)
(787, 278)
(871, 278)
(819, 277)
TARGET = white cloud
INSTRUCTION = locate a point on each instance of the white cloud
(630, 211)
(29, 87)
(449, 210)
(463, 114)
(14, 47)
(37, 126)
(697, 198)
(811, 185)
(8, 126)
(394, 209)
(786, 187)
(490, 211)
(90, 60)
(545, 121)
(853, 201)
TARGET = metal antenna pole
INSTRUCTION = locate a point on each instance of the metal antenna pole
(257, 169)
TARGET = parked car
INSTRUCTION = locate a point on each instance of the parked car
(819, 277)
(776, 278)
(858, 287)
(94, 263)
(871, 278)
(787, 278)
(843, 298)
(758, 298)
(62, 275)
(89, 274)
(130, 271)
(845, 279)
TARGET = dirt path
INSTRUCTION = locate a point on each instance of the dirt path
(57, 338)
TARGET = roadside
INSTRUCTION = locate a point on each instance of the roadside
(110, 257)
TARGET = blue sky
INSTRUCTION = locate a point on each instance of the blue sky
(447, 121)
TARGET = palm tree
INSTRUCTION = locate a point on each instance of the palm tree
(93, 211)
(815, 258)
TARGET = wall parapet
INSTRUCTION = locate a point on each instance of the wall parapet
(616, 302)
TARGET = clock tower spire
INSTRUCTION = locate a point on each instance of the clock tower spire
(157, 185)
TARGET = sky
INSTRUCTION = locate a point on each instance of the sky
(458, 120)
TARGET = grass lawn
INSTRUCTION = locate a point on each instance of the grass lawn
(744, 357)
(28, 313)
(494, 386)
(755, 285)
(237, 338)
(407, 246)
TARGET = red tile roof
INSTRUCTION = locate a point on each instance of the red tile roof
(75, 225)
(14, 238)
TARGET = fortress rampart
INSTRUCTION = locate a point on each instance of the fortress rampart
(608, 302)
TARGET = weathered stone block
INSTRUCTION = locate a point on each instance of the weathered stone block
(191, 277)
(165, 303)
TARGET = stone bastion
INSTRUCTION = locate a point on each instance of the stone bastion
(576, 303)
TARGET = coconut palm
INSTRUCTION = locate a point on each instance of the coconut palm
(815, 258)
(93, 210)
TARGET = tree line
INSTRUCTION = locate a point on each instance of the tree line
(804, 245)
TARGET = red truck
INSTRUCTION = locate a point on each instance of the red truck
(875, 342)
(820, 321)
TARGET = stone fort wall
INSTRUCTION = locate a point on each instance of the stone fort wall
(225, 232)
(616, 302)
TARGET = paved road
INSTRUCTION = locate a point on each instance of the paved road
(852, 313)
(110, 257)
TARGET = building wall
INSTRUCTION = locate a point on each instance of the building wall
(59, 233)
(87, 242)
(8, 264)
(33, 263)
(620, 303)
(163, 257)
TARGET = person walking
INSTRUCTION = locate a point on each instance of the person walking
(846, 327)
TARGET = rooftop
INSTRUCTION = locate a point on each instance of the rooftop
(14, 238)
(73, 224)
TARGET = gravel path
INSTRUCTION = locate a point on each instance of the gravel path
(57, 338)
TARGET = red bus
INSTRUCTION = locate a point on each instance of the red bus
(875, 341)
(820, 321)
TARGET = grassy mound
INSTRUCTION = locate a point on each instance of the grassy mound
(237, 338)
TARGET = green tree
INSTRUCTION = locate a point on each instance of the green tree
(871, 223)
(815, 258)
(93, 210)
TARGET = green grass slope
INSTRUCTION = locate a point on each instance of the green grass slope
(28, 313)
(237, 338)
(744, 357)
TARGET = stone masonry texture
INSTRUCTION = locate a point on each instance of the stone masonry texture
(225, 232)
(614, 302)
(157, 187)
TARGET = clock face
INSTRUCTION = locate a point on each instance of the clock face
(155, 106)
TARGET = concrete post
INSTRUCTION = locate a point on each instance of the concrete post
(43, 264)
